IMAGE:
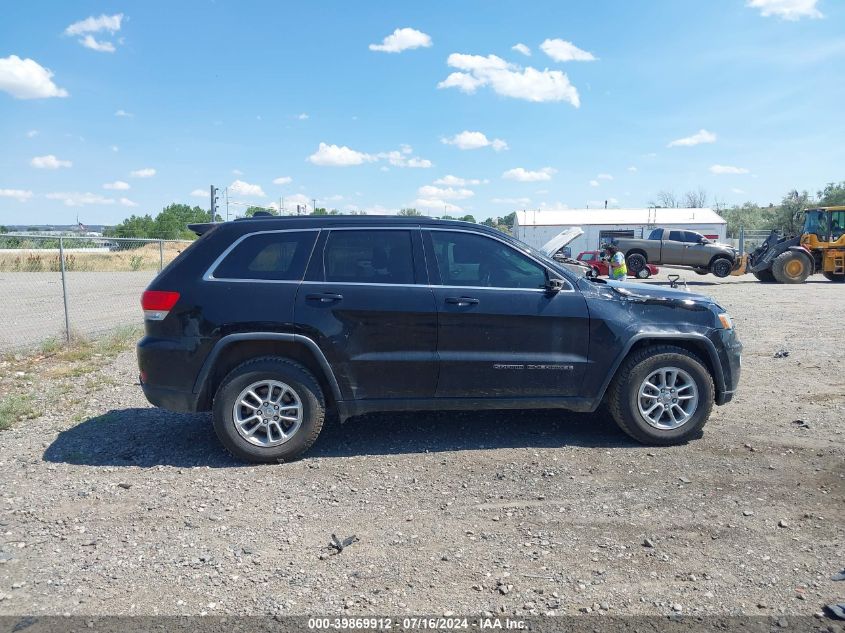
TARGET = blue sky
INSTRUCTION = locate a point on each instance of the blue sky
(150, 103)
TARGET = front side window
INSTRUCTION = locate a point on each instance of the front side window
(692, 238)
(465, 259)
(374, 256)
(279, 256)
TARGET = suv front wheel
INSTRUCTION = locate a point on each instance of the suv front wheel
(661, 395)
(268, 410)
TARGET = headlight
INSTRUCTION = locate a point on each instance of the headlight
(726, 321)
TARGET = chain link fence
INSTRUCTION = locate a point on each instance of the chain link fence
(747, 240)
(62, 287)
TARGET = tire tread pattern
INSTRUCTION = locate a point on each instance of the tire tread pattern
(616, 400)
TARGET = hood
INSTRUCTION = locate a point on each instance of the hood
(652, 293)
(560, 240)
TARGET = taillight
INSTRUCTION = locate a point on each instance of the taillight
(157, 303)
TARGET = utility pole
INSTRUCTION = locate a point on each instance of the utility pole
(314, 200)
(214, 192)
(226, 191)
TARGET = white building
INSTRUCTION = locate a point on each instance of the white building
(538, 227)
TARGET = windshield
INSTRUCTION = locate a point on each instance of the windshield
(815, 222)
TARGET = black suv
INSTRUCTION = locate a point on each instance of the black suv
(273, 323)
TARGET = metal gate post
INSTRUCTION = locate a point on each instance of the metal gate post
(64, 286)
(160, 255)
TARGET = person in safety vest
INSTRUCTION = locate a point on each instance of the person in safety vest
(616, 262)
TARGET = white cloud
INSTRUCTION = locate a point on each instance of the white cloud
(117, 185)
(27, 79)
(448, 193)
(91, 24)
(702, 136)
(737, 190)
(241, 188)
(563, 51)
(509, 80)
(436, 203)
(109, 23)
(402, 40)
(126, 202)
(401, 158)
(123, 113)
(339, 156)
(594, 183)
(95, 45)
(727, 169)
(521, 48)
(515, 202)
(32, 134)
(237, 172)
(302, 117)
(21, 195)
(462, 81)
(146, 172)
(633, 169)
(76, 199)
(282, 180)
(604, 177)
(49, 162)
(200, 193)
(522, 175)
(454, 181)
(787, 9)
(474, 140)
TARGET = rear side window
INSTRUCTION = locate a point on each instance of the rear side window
(269, 256)
(369, 257)
(676, 236)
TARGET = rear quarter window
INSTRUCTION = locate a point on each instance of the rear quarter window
(278, 256)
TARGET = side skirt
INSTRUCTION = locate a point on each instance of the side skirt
(349, 408)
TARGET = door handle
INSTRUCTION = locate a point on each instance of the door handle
(324, 297)
(462, 301)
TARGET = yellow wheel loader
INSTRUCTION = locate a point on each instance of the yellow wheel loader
(790, 260)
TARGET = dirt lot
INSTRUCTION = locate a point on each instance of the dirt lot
(112, 507)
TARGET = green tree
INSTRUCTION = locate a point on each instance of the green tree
(170, 224)
(467, 218)
(3, 229)
(252, 210)
(324, 211)
(409, 212)
(749, 216)
(833, 195)
(786, 218)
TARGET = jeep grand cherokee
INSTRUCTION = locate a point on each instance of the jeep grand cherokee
(272, 323)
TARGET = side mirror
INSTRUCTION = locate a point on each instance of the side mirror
(703, 240)
(554, 285)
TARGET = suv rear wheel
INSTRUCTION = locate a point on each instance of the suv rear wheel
(268, 410)
(661, 395)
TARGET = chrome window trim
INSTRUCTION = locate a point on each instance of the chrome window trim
(209, 274)
(571, 287)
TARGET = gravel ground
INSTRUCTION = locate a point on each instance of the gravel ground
(31, 307)
(112, 507)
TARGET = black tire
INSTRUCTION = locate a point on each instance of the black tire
(623, 393)
(721, 267)
(701, 271)
(834, 277)
(765, 276)
(643, 273)
(791, 268)
(285, 371)
(636, 262)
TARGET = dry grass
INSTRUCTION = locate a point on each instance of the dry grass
(21, 375)
(145, 257)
